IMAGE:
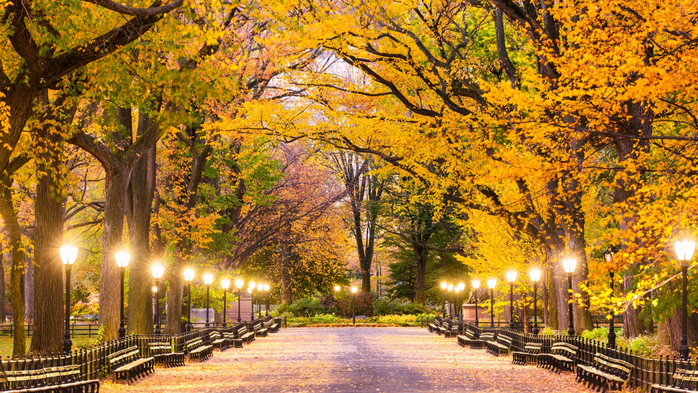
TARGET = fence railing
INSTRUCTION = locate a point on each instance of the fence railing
(76, 329)
(646, 370)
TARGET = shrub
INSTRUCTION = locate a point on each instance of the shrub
(599, 334)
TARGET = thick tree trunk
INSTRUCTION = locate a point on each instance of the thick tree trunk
(174, 299)
(420, 287)
(115, 185)
(365, 278)
(9, 217)
(286, 293)
(48, 238)
(141, 192)
(2, 286)
(28, 282)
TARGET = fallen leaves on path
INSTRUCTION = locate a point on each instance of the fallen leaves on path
(352, 360)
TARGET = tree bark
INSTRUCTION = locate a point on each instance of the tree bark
(28, 282)
(174, 299)
(286, 293)
(141, 193)
(115, 185)
(421, 260)
(9, 216)
(48, 238)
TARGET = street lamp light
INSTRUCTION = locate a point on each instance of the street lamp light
(157, 269)
(569, 265)
(444, 285)
(511, 277)
(337, 288)
(491, 283)
(476, 285)
(608, 256)
(208, 279)
(266, 308)
(353, 305)
(260, 288)
(188, 277)
(534, 274)
(122, 259)
(225, 283)
(684, 253)
(238, 284)
(69, 254)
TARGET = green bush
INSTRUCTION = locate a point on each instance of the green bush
(598, 334)
(302, 308)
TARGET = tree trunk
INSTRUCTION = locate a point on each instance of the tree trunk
(286, 293)
(9, 217)
(365, 278)
(546, 297)
(420, 287)
(28, 282)
(141, 193)
(115, 185)
(553, 312)
(48, 238)
(174, 298)
(2, 286)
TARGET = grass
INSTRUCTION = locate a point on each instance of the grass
(78, 342)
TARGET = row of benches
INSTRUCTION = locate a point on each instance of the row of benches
(130, 363)
(605, 373)
(445, 326)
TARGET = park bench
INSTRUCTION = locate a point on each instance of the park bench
(467, 337)
(482, 341)
(243, 334)
(529, 354)
(271, 326)
(501, 345)
(67, 378)
(259, 331)
(434, 326)
(128, 364)
(162, 352)
(235, 342)
(219, 341)
(275, 326)
(197, 349)
(605, 373)
(562, 356)
(683, 381)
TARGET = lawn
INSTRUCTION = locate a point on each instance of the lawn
(78, 342)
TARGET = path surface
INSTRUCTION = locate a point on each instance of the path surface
(352, 360)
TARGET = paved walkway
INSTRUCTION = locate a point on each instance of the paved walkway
(353, 360)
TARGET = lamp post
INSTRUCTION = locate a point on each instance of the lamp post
(511, 277)
(608, 256)
(250, 289)
(569, 265)
(225, 283)
(456, 291)
(491, 283)
(68, 256)
(684, 253)
(157, 269)
(208, 279)
(238, 284)
(444, 285)
(122, 259)
(353, 305)
(476, 285)
(188, 277)
(266, 298)
(260, 288)
(461, 288)
(535, 277)
(450, 299)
